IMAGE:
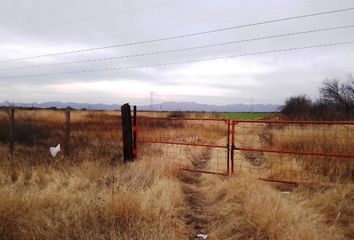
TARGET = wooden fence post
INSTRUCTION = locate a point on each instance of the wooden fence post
(67, 133)
(12, 132)
(127, 132)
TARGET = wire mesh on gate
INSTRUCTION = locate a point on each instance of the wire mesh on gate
(187, 143)
(287, 151)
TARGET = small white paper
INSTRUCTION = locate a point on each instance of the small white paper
(204, 236)
(54, 150)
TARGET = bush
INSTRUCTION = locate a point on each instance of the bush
(176, 114)
(297, 108)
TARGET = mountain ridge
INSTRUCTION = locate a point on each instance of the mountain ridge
(164, 106)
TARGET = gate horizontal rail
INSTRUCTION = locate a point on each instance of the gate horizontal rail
(278, 151)
(306, 150)
(184, 144)
(296, 152)
(182, 136)
(296, 122)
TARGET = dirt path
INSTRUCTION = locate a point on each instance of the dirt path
(205, 217)
(198, 216)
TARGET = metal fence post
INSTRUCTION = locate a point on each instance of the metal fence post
(228, 148)
(12, 132)
(67, 133)
(135, 129)
(127, 133)
(232, 145)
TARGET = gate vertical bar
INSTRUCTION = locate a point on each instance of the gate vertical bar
(228, 147)
(232, 145)
(12, 132)
(135, 129)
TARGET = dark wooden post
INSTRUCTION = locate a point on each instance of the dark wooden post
(135, 129)
(127, 132)
(12, 132)
(67, 133)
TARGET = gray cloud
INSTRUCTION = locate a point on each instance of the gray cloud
(30, 28)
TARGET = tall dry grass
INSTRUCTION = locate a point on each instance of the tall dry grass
(182, 130)
(246, 209)
(88, 195)
(336, 204)
(91, 201)
(92, 195)
(95, 135)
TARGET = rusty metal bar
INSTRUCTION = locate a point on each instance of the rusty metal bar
(182, 119)
(232, 146)
(294, 152)
(297, 122)
(202, 171)
(283, 181)
(296, 182)
(228, 147)
(135, 149)
(180, 143)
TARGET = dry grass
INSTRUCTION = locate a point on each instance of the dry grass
(91, 201)
(336, 204)
(186, 131)
(248, 209)
(89, 195)
(94, 135)
(92, 195)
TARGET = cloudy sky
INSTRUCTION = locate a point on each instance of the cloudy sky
(31, 29)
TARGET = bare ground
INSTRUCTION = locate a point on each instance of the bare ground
(198, 215)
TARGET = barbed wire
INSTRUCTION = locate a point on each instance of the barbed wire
(179, 62)
(180, 36)
(181, 49)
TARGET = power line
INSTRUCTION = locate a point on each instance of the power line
(180, 62)
(87, 19)
(173, 25)
(183, 35)
(182, 49)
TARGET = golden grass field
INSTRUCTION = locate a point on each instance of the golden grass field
(91, 194)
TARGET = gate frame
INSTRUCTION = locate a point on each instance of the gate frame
(231, 145)
(282, 122)
(227, 147)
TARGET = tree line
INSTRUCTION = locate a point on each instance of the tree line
(336, 102)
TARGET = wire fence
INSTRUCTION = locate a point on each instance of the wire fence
(194, 144)
(89, 135)
(295, 151)
(281, 151)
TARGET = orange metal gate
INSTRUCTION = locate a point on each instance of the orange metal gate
(279, 151)
(181, 141)
(294, 151)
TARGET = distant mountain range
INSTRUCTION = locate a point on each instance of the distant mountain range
(198, 107)
(165, 106)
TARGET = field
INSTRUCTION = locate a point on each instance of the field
(250, 116)
(91, 194)
(229, 115)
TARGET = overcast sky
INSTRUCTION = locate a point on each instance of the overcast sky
(39, 27)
